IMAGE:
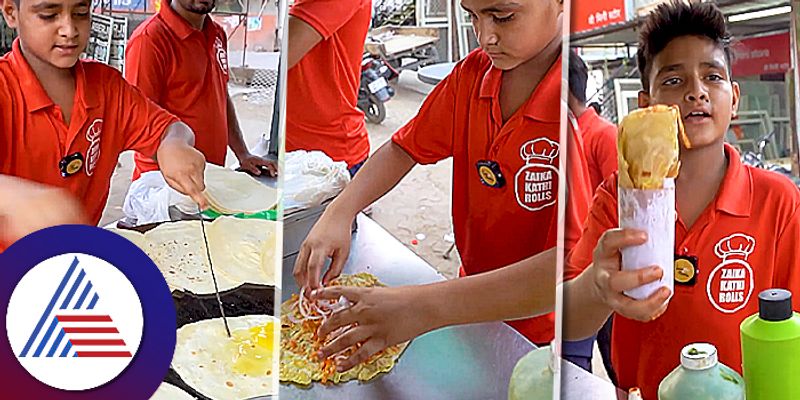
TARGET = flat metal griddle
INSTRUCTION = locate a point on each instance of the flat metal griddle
(247, 299)
(243, 300)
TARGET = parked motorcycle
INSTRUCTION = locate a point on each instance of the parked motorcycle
(375, 90)
(756, 159)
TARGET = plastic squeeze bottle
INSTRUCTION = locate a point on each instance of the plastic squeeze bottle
(771, 348)
(701, 377)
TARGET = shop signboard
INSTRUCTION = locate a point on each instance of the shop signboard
(592, 14)
(769, 54)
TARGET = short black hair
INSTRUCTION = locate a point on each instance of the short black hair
(676, 19)
(578, 77)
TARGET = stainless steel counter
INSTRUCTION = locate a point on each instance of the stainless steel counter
(578, 384)
(463, 362)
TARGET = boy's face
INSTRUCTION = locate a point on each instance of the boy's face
(512, 32)
(51, 31)
(692, 73)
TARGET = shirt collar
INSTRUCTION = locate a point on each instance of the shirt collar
(543, 105)
(36, 98)
(736, 192)
(178, 24)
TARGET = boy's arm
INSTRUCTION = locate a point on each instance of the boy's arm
(302, 38)
(590, 298)
(330, 236)
(311, 22)
(26, 207)
(426, 139)
(388, 316)
(247, 161)
(182, 166)
(147, 128)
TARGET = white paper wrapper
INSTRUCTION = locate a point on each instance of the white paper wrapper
(652, 211)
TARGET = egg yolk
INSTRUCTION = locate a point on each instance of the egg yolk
(252, 350)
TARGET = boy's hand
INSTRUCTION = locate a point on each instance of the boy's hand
(329, 238)
(383, 316)
(257, 165)
(183, 168)
(28, 207)
(610, 282)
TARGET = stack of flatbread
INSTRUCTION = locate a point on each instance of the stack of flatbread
(231, 192)
(242, 250)
(222, 368)
(300, 320)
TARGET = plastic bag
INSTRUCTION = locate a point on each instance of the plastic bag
(149, 198)
(310, 178)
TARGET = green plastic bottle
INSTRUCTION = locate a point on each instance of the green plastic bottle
(532, 378)
(771, 348)
(701, 377)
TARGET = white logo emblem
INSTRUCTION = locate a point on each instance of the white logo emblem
(93, 154)
(730, 284)
(74, 322)
(536, 183)
(222, 55)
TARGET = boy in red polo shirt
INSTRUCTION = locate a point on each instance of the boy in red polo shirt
(326, 44)
(64, 123)
(737, 226)
(178, 58)
(498, 115)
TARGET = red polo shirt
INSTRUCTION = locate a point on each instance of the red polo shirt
(109, 117)
(185, 71)
(321, 112)
(495, 227)
(745, 241)
(600, 145)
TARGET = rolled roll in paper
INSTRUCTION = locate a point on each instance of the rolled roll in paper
(652, 211)
(648, 163)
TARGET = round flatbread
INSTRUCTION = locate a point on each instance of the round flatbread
(134, 237)
(169, 392)
(244, 250)
(232, 192)
(299, 345)
(179, 251)
(223, 368)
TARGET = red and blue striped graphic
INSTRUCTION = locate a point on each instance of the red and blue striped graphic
(76, 328)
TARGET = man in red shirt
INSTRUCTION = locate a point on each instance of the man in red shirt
(178, 58)
(498, 116)
(599, 135)
(326, 45)
(737, 228)
(64, 122)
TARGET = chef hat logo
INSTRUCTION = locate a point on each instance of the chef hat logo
(539, 149)
(737, 244)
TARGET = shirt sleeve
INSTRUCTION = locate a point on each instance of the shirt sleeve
(145, 67)
(428, 137)
(602, 217)
(606, 151)
(579, 190)
(327, 16)
(142, 122)
(788, 259)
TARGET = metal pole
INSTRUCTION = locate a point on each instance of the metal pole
(246, 20)
(795, 76)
